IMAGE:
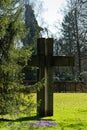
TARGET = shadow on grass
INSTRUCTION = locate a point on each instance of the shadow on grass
(28, 118)
(31, 118)
(5, 120)
(24, 119)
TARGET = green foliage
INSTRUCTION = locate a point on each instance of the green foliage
(83, 75)
(12, 59)
(11, 78)
(66, 76)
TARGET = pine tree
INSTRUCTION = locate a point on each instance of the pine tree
(12, 59)
(68, 31)
(32, 25)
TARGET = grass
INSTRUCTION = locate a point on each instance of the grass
(70, 112)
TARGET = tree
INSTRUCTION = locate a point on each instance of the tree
(12, 59)
(68, 31)
(32, 26)
(77, 41)
(74, 31)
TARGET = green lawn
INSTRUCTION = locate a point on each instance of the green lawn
(70, 112)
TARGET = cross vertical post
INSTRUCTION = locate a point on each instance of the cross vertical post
(41, 92)
(48, 77)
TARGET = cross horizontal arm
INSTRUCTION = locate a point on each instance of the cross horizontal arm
(62, 61)
(52, 61)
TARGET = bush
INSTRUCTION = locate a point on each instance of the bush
(66, 76)
(83, 75)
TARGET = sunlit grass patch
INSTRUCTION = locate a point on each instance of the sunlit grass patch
(70, 113)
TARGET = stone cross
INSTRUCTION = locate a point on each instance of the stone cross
(46, 61)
